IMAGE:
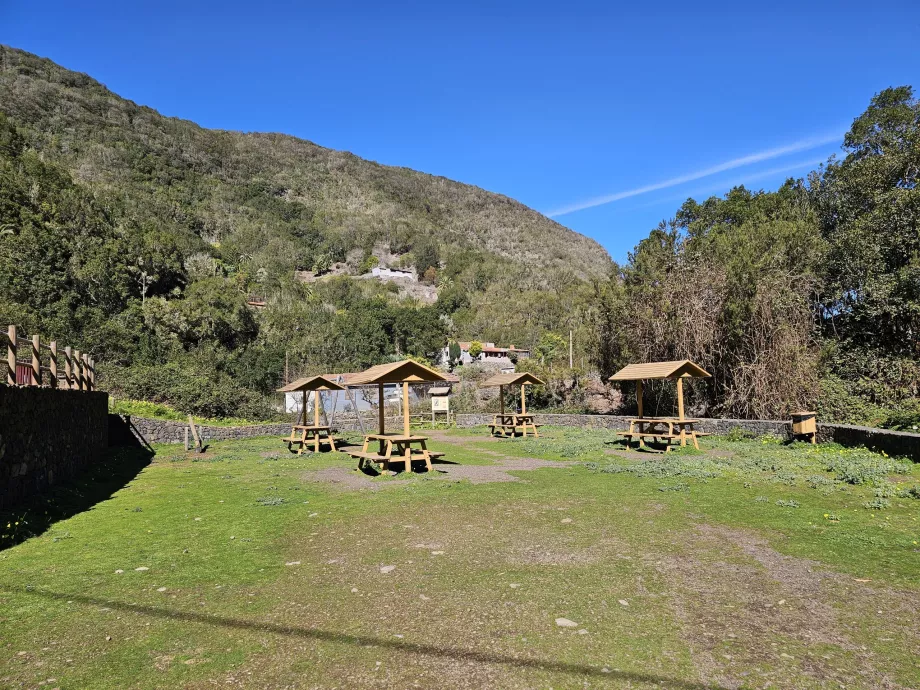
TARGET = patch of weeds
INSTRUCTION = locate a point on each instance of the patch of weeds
(137, 509)
(60, 535)
(910, 492)
(762, 499)
(736, 434)
(791, 503)
(268, 457)
(886, 490)
(680, 486)
(832, 517)
(270, 501)
(818, 480)
(863, 468)
(784, 477)
(669, 466)
(568, 444)
(877, 504)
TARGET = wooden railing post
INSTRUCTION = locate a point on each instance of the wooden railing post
(36, 361)
(53, 364)
(11, 355)
(77, 371)
(68, 369)
(86, 372)
(92, 374)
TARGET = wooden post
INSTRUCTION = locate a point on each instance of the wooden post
(303, 409)
(195, 437)
(68, 368)
(36, 361)
(501, 397)
(11, 355)
(316, 403)
(405, 408)
(53, 366)
(77, 371)
(380, 422)
(523, 399)
(680, 398)
(639, 396)
(87, 383)
(92, 373)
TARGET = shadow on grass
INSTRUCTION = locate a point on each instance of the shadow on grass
(95, 484)
(431, 650)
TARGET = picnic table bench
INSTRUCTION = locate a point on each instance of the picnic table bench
(311, 434)
(510, 424)
(395, 448)
(665, 429)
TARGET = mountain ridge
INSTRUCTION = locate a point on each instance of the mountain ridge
(107, 142)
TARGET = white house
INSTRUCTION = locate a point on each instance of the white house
(503, 356)
(384, 273)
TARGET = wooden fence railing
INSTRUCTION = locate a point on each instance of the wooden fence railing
(79, 371)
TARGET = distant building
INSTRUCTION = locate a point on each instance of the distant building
(505, 357)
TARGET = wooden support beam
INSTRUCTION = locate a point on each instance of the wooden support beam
(316, 404)
(680, 398)
(405, 408)
(92, 374)
(53, 373)
(501, 397)
(87, 385)
(523, 399)
(11, 346)
(302, 417)
(380, 411)
(639, 395)
(36, 361)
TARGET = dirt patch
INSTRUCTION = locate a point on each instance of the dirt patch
(747, 608)
(350, 479)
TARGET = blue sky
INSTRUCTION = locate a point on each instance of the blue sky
(606, 117)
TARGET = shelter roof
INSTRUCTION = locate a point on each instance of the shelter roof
(311, 383)
(660, 370)
(397, 372)
(519, 378)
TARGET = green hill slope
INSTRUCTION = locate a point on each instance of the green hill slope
(266, 191)
(140, 238)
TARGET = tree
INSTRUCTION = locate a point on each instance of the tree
(426, 255)
(551, 348)
(453, 354)
(475, 349)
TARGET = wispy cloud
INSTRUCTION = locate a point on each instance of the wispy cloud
(734, 182)
(751, 159)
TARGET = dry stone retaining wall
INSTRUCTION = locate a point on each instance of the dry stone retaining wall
(169, 431)
(896, 443)
(47, 436)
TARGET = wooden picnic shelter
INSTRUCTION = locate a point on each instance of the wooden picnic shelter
(395, 447)
(665, 429)
(509, 424)
(315, 434)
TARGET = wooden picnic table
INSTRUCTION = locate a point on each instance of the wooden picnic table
(509, 424)
(395, 448)
(310, 434)
(667, 429)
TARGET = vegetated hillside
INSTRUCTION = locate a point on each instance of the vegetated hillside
(138, 238)
(283, 199)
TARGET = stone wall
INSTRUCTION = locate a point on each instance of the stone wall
(896, 443)
(166, 431)
(47, 436)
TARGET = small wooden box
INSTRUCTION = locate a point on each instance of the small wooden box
(804, 424)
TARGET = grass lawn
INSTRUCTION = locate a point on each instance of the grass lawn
(558, 562)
